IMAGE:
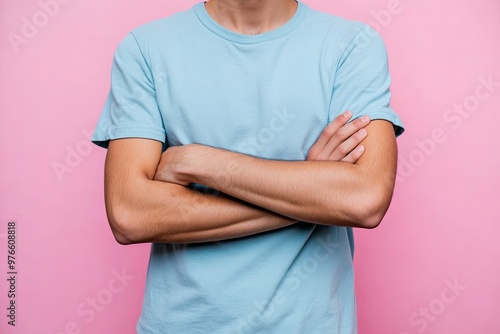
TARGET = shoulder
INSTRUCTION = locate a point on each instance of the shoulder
(341, 36)
(166, 27)
(162, 33)
(333, 25)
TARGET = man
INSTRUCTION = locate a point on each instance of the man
(229, 149)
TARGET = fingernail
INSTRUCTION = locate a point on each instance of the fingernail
(362, 132)
(347, 113)
(365, 119)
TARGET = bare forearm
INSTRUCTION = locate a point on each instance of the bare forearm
(324, 192)
(163, 212)
(141, 209)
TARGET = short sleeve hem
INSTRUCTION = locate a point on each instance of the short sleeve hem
(102, 138)
(387, 116)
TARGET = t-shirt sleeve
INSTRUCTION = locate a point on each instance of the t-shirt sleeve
(362, 80)
(131, 109)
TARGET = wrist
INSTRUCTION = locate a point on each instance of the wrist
(214, 167)
(197, 163)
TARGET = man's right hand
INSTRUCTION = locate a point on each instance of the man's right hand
(340, 141)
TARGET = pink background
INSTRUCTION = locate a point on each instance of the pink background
(431, 267)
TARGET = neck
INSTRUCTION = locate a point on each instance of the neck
(251, 17)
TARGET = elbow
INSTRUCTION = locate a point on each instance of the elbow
(367, 212)
(371, 220)
(122, 226)
(122, 232)
(123, 238)
(375, 205)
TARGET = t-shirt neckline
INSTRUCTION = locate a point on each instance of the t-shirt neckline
(230, 35)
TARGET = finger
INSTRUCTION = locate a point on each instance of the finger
(354, 155)
(332, 128)
(348, 145)
(328, 132)
(344, 133)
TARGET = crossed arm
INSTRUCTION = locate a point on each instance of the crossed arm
(347, 180)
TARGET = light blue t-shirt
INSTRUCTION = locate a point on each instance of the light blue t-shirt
(186, 79)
